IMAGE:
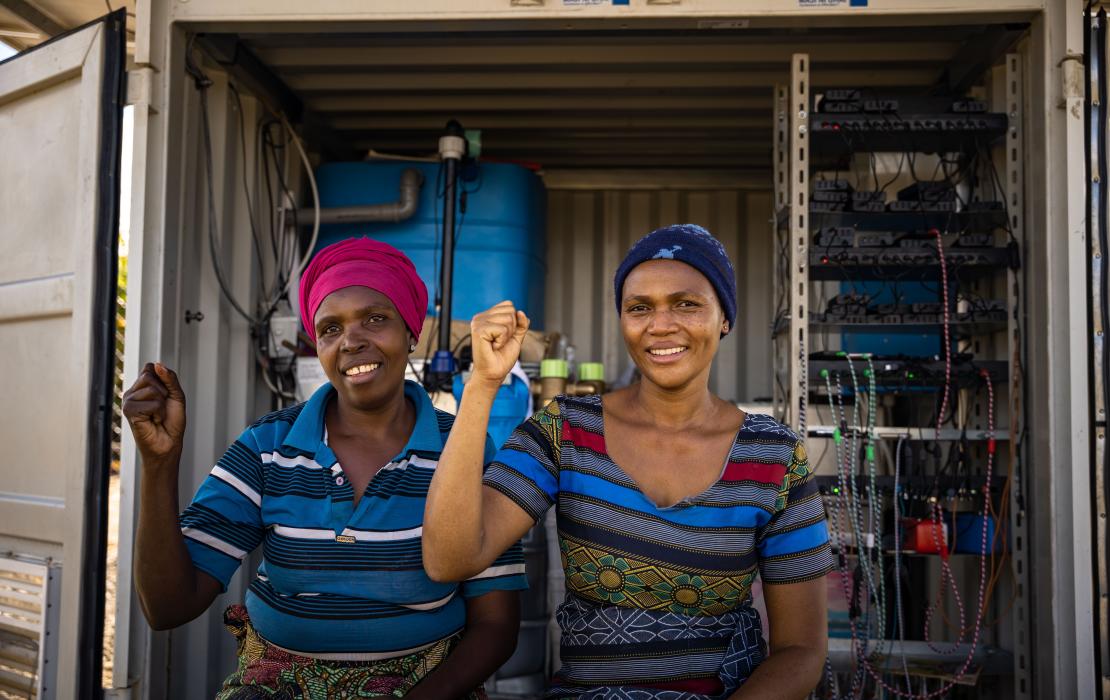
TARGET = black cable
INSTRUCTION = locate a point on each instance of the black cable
(263, 160)
(247, 191)
(203, 83)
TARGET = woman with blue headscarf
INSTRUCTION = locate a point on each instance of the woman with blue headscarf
(670, 501)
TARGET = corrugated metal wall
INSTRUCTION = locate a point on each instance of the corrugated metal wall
(587, 236)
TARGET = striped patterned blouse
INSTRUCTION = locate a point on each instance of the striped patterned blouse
(659, 599)
(336, 580)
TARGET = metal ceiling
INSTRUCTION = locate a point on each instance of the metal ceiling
(685, 99)
(27, 23)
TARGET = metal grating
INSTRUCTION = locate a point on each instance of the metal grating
(26, 610)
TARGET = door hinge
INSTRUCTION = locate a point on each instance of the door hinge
(140, 87)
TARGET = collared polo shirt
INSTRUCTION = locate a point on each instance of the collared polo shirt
(337, 580)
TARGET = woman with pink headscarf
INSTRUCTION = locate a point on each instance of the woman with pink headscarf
(333, 490)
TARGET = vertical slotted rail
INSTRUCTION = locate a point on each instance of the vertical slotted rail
(781, 275)
(798, 174)
(1014, 191)
(782, 189)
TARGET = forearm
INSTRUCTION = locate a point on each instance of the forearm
(484, 647)
(164, 573)
(789, 672)
(453, 534)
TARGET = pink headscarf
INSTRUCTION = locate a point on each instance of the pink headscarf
(363, 262)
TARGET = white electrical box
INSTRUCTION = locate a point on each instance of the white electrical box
(282, 340)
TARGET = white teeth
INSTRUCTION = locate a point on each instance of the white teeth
(362, 369)
(667, 351)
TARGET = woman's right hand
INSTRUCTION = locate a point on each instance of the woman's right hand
(155, 409)
(496, 337)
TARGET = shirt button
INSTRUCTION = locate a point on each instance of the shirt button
(338, 481)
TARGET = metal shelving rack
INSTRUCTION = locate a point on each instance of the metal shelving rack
(795, 275)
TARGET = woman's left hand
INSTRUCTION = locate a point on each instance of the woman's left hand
(492, 624)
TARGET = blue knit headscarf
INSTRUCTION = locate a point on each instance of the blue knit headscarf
(693, 245)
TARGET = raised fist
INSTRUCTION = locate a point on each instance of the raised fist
(496, 336)
(155, 409)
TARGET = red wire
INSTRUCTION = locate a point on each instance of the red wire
(945, 571)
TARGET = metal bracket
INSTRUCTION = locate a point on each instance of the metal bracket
(780, 275)
(1015, 206)
(798, 242)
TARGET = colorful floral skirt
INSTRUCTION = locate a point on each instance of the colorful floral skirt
(267, 671)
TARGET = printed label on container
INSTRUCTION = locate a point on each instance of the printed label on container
(724, 23)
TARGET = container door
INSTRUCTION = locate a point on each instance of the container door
(60, 117)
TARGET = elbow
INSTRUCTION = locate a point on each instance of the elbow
(809, 661)
(441, 568)
(159, 624)
(158, 620)
(439, 574)
(442, 571)
(165, 612)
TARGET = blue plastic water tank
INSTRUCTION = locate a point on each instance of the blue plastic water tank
(500, 250)
(510, 407)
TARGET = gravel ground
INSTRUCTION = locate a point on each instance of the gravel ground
(110, 584)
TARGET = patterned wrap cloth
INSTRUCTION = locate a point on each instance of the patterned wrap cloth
(587, 627)
(267, 671)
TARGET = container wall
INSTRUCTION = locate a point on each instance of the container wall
(589, 231)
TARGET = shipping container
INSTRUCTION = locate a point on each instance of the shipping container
(617, 117)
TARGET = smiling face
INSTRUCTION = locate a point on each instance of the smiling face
(362, 344)
(671, 322)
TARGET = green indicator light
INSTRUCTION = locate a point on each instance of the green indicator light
(836, 435)
(842, 354)
(911, 375)
(836, 489)
(824, 374)
(867, 373)
(870, 453)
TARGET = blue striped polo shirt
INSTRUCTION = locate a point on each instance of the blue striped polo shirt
(337, 580)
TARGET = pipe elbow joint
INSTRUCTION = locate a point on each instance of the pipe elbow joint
(411, 182)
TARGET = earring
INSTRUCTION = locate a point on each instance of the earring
(412, 348)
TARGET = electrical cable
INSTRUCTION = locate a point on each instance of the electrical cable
(873, 570)
(900, 618)
(838, 543)
(269, 296)
(952, 408)
(203, 83)
(315, 204)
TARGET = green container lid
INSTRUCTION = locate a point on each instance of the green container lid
(591, 372)
(554, 368)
